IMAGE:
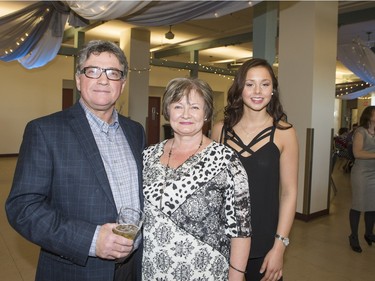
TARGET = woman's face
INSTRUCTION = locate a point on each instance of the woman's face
(257, 91)
(187, 115)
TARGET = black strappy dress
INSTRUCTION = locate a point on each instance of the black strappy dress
(262, 167)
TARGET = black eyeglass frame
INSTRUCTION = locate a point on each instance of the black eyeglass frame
(83, 71)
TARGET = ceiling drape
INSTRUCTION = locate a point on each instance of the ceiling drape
(22, 30)
(33, 35)
(359, 59)
(160, 13)
(106, 10)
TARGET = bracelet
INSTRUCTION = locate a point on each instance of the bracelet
(237, 269)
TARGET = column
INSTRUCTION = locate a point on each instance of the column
(265, 30)
(134, 101)
(307, 62)
(194, 58)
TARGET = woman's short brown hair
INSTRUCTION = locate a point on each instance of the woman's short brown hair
(177, 88)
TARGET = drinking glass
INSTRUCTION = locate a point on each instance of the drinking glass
(129, 221)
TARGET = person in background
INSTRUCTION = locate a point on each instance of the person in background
(255, 127)
(351, 133)
(341, 140)
(75, 169)
(363, 179)
(197, 202)
(341, 146)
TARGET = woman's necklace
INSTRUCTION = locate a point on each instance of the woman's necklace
(167, 167)
(248, 134)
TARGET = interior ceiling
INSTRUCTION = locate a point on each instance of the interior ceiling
(360, 15)
(192, 32)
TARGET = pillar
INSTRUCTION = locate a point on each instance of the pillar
(79, 41)
(265, 30)
(135, 42)
(307, 62)
(194, 58)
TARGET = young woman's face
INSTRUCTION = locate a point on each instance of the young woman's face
(187, 115)
(258, 87)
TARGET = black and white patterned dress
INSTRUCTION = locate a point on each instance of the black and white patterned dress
(205, 202)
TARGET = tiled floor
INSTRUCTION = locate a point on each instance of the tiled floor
(319, 249)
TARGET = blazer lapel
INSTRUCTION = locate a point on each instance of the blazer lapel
(87, 142)
(133, 141)
(136, 147)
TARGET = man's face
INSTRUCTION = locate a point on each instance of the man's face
(100, 94)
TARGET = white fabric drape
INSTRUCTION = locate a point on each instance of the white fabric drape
(156, 13)
(160, 13)
(359, 59)
(106, 10)
(44, 39)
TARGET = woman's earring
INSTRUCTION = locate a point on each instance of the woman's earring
(272, 94)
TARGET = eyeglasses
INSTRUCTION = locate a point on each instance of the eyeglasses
(95, 72)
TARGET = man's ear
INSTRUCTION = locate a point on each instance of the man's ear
(123, 85)
(78, 83)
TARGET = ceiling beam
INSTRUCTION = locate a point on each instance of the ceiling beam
(356, 16)
(226, 41)
(67, 51)
(192, 66)
(70, 32)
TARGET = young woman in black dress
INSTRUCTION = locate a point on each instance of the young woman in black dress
(255, 127)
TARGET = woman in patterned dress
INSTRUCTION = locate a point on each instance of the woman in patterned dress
(197, 202)
(255, 127)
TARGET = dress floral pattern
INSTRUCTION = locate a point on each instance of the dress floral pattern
(191, 214)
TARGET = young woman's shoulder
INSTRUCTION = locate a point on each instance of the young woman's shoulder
(286, 134)
(284, 124)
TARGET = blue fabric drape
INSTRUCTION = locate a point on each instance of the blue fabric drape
(25, 27)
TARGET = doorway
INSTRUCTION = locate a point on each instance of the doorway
(67, 98)
(153, 120)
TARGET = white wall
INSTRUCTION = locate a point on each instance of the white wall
(28, 94)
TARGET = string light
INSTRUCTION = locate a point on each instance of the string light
(350, 87)
(20, 40)
(139, 70)
(364, 98)
(207, 68)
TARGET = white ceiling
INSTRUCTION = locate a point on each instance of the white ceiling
(196, 31)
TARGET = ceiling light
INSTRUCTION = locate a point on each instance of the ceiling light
(169, 35)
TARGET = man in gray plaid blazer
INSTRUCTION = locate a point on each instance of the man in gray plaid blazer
(75, 169)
